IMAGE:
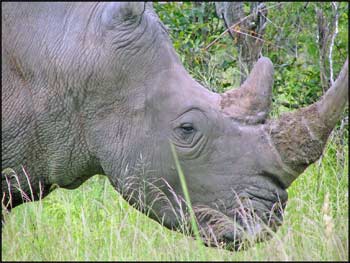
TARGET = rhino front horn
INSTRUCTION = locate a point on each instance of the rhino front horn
(251, 101)
(300, 136)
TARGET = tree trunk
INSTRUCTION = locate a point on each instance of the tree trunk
(327, 29)
(247, 32)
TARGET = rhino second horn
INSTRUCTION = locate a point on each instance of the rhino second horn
(251, 101)
(301, 136)
(333, 102)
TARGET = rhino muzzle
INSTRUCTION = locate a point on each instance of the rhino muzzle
(250, 216)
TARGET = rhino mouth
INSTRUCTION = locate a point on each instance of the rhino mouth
(248, 216)
(251, 219)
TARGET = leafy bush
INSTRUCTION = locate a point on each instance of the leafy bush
(290, 42)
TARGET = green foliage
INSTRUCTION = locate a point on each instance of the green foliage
(295, 52)
(192, 26)
(290, 42)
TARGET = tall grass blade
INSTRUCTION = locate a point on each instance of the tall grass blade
(186, 194)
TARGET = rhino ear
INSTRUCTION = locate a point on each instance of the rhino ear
(121, 11)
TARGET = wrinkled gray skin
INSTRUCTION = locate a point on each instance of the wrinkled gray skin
(98, 88)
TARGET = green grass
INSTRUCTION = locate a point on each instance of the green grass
(95, 223)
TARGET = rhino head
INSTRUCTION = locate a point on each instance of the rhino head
(128, 98)
(237, 163)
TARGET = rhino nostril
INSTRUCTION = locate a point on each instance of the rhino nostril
(229, 236)
(232, 241)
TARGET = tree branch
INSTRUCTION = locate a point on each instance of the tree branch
(336, 16)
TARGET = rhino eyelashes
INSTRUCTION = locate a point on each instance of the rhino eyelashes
(186, 132)
(187, 128)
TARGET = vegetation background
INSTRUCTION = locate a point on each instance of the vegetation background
(95, 223)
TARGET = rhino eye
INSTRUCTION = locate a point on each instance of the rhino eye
(187, 128)
(185, 132)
